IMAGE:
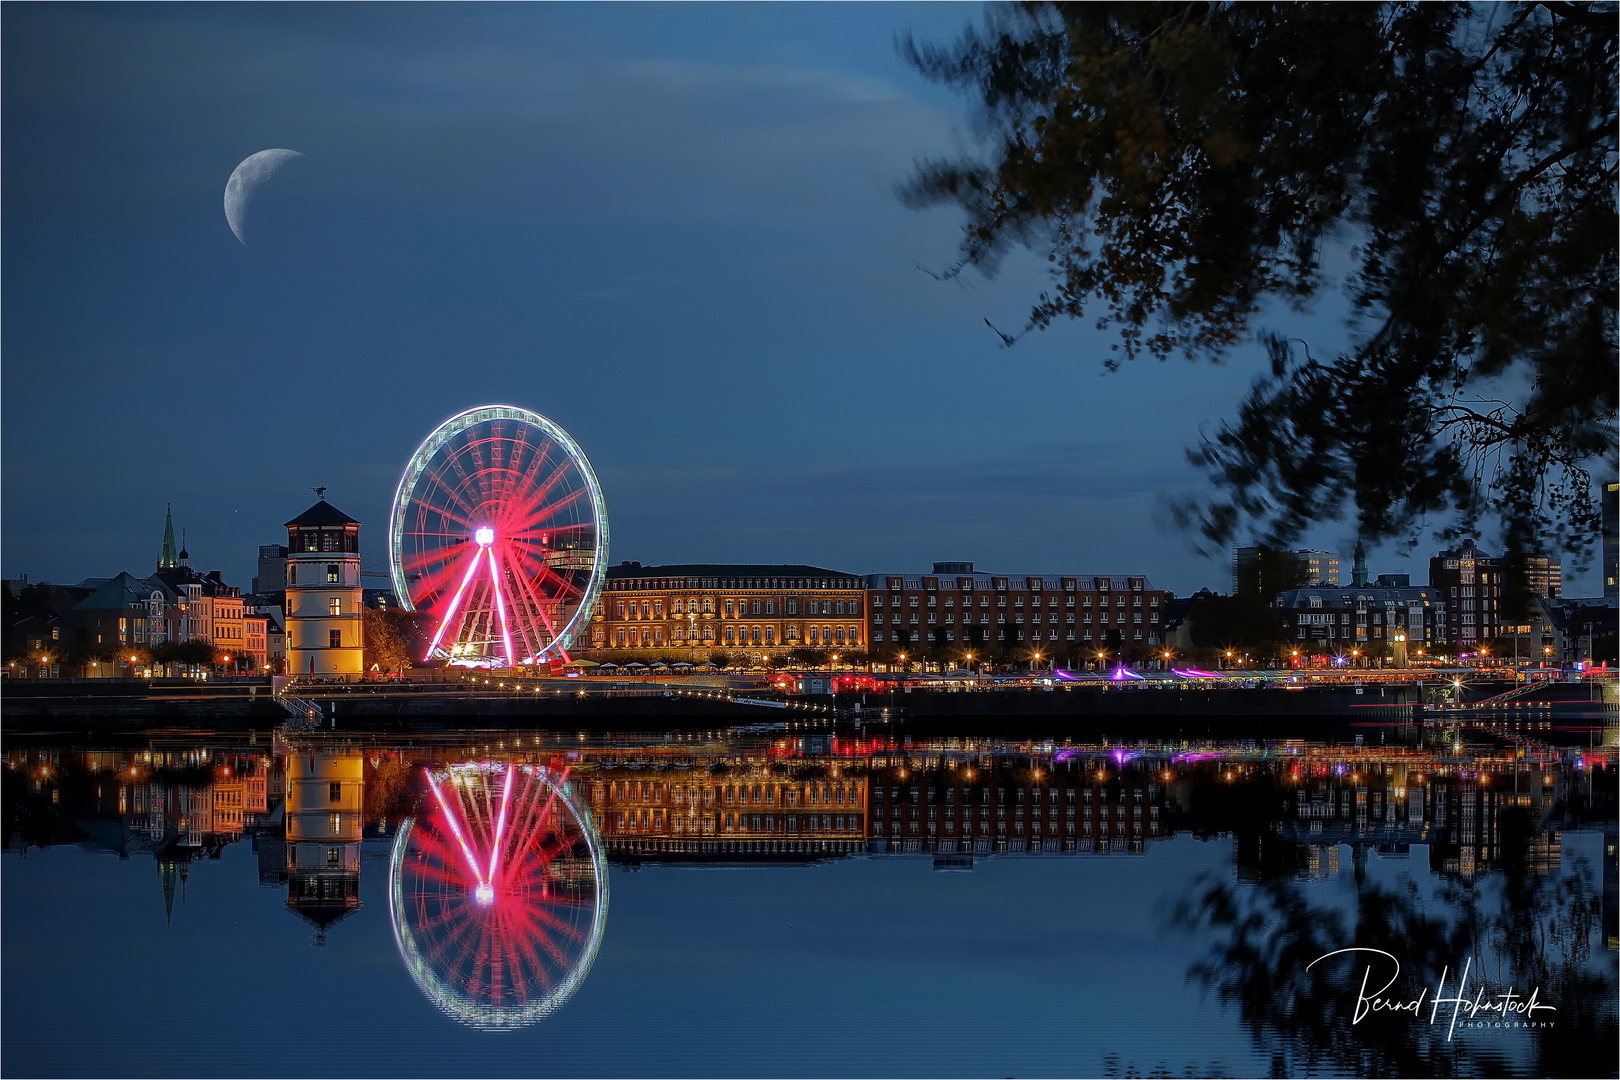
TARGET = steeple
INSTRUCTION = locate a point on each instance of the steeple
(185, 556)
(1359, 574)
(166, 560)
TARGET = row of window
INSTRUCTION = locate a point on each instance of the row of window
(904, 636)
(914, 828)
(730, 609)
(621, 791)
(1018, 620)
(1035, 584)
(1018, 601)
(654, 820)
(966, 794)
(653, 636)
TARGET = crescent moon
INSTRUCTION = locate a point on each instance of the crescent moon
(245, 181)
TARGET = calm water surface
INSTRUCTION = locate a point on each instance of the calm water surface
(163, 918)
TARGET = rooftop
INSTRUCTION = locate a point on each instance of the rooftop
(322, 513)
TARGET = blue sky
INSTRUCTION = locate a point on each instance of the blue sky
(671, 228)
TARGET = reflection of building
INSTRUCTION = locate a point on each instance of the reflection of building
(323, 832)
(956, 606)
(1389, 806)
(731, 606)
(1075, 806)
(758, 809)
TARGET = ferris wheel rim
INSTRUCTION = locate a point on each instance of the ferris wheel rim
(436, 441)
(458, 1005)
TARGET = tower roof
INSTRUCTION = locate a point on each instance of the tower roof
(166, 561)
(322, 513)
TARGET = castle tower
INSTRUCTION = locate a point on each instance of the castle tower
(166, 561)
(323, 593)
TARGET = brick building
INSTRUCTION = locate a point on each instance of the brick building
(762, 608)
(1062, 613)
(1473, 586)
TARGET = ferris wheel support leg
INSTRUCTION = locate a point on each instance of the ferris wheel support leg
(454, 603)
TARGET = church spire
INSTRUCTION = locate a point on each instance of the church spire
(166, 560)
(1359, 574)
(185, 556)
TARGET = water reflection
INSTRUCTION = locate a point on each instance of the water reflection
(497, 848)
(498, 893)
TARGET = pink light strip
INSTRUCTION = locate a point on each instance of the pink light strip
(506, 632)
(455, 602)
(500, 826)
(466, 851)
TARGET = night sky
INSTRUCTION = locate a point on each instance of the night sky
(672, 229)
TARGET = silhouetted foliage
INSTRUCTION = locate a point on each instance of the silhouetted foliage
(1182, 165)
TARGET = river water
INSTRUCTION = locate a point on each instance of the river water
(183, 905)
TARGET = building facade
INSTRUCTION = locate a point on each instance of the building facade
(1345, 619)
(756, 607)
(323, 593)
(956, 606)
(1473, 586)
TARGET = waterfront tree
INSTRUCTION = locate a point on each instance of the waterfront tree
(1186, 168)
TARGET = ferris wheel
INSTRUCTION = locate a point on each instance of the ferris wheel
(498, 894)
(498, 530)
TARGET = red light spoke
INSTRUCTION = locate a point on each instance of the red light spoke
(431, 585)
(452, 493)
(544, 513)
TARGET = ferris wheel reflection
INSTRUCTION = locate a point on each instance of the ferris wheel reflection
(498, 893)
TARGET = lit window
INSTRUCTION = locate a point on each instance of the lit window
(334, 606)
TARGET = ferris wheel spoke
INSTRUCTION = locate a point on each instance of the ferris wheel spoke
(543, 492)
(537, 461)
(431, 585)
(543, 513)
(452, 489)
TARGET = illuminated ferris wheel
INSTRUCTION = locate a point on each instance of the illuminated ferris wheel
(498, 893)
(498, 530)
